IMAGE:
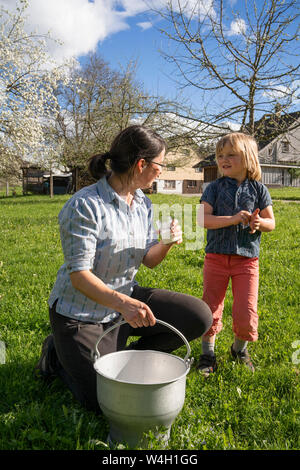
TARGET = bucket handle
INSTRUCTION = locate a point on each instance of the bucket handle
(122, 322)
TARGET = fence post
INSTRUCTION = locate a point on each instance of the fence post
(2, 352)
(51, 184)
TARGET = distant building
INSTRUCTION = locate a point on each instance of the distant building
(36, 180)
(279, 156)
(182, 176)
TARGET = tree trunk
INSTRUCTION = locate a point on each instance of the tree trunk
(51, 184)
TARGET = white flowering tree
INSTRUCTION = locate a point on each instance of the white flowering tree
(28, 79)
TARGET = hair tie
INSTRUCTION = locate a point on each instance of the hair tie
(106, 156)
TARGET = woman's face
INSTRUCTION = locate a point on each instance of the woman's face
(151, 170)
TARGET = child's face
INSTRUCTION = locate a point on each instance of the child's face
(231, 163)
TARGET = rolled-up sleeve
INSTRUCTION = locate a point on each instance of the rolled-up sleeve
(78, 232)
(265, 199)
(209, 195)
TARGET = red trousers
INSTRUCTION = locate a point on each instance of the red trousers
(244, 275)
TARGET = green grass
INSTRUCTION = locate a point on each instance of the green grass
(234, 409)
(14, 191)
(289, 193)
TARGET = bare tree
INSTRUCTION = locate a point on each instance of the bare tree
(96, 104)
(243, 63)
(99, 102)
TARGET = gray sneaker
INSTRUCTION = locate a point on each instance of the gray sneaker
(242, 357)
(207, 364)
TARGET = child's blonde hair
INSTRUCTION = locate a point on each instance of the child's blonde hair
(246, 144)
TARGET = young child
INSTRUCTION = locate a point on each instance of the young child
(237, 208)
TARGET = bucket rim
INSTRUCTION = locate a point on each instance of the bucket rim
(143, 351)
(123, 321)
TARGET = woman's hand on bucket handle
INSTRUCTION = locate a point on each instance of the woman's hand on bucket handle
(137, 313)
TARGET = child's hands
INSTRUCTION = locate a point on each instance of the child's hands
(255, 221)
(242, 217)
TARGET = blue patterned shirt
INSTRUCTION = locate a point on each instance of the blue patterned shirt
(100, 232)
(227, 198)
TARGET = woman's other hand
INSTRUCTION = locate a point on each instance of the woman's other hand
(137, 313)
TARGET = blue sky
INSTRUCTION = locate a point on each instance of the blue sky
(120, 30)
(143, 46)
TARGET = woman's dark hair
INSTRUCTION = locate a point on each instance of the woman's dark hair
(128, 147)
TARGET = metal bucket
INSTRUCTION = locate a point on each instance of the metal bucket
(139, 391)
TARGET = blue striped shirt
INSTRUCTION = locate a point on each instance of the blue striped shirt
(227, 198)
(100, 232)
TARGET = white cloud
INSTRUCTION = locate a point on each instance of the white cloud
(237, 27)
(145, 25)
(81, 24)
(78, 24)
(282, 92)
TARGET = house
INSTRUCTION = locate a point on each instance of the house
(182, 174)
(209, 168)
(279, 156)
(36, 180)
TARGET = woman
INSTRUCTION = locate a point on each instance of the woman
(106, 233)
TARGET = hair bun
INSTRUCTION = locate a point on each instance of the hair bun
(97, 167)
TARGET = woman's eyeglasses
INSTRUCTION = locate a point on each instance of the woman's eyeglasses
(160, 164)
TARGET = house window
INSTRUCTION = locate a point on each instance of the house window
(171, 168)
(169, 184)
(285, 147)
(198, 170)
(191, 184)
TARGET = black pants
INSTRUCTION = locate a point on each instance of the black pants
(75, 340)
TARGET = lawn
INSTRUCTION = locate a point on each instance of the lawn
(286, 193)
(233, 409)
